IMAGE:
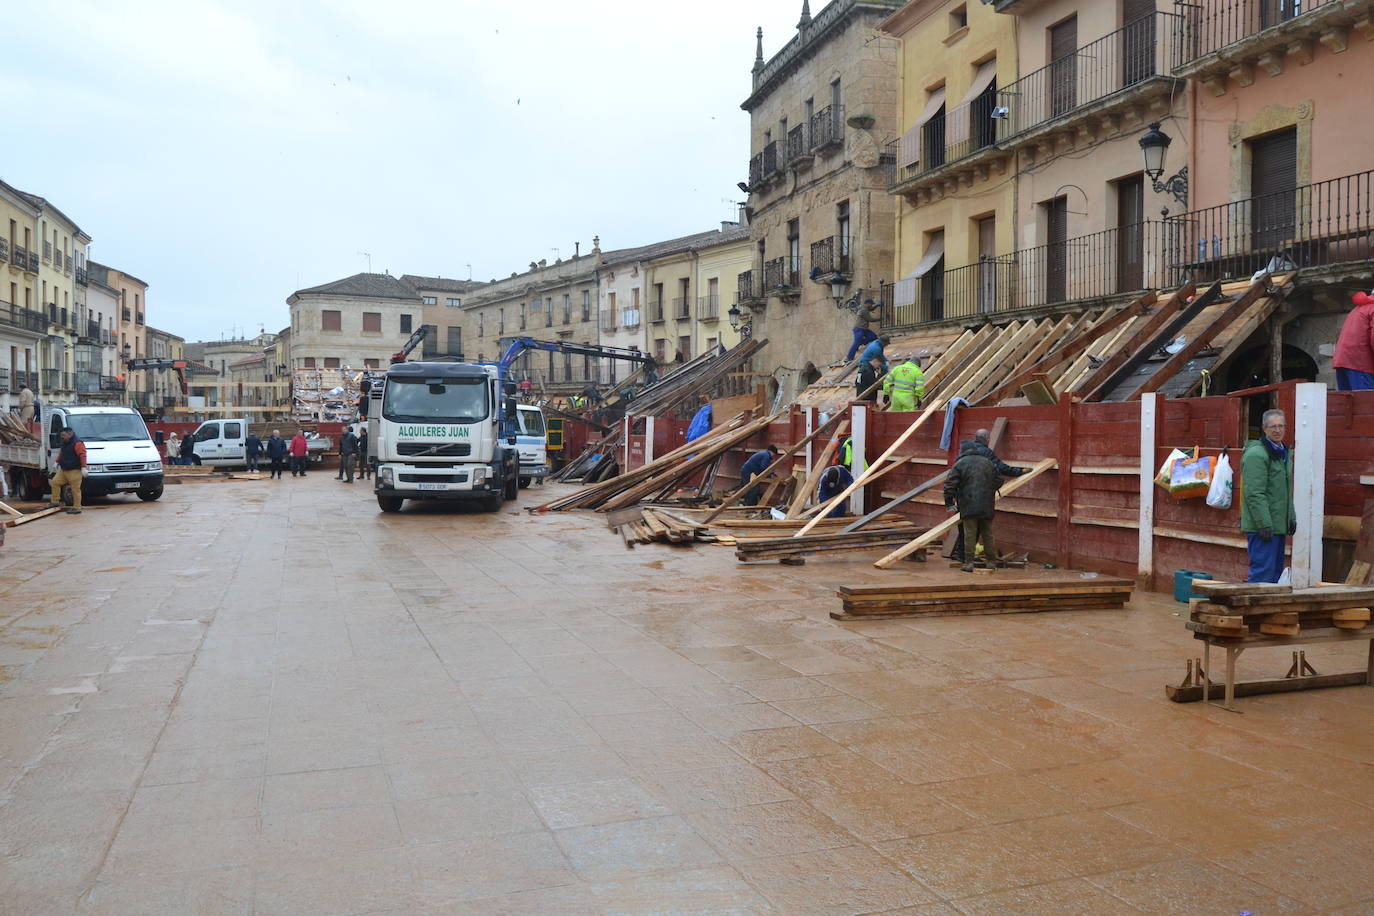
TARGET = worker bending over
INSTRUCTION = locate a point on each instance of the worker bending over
(752, 469)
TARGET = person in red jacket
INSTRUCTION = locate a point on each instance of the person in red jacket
(1354, 357)
(298, 450)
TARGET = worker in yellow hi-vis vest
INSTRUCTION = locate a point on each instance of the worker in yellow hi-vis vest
(905, 386)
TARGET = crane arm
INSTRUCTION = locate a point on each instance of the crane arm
(520, 344)
(415, 339)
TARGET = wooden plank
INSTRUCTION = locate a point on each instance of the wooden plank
(1146, 340)
(1202, 339)
(1251, 323)
(33, 516)
(1193, 693)
(934, 533)
(1067, 325)
(1214, 587)
(10, 510)
(813, 474)
(1039, 392)
(1364, 549)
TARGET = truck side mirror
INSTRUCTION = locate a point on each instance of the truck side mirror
(510, 440)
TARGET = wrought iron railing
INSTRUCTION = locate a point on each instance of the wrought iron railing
(111, 383)
(782, 273)
(827, 126)
(1316, 225)
(797, 147)
(92, 330)
(4, 379)
(770, 159)
(682, 307)
(756, 170)
(1146, 48)
(128, 314)
(20, 258)
(749, 286)
(47, 254)
(708, 307)
(4, 249)
(1219, 23)
(82, 276)
(19, 317)
(655, 309)
(830, 255)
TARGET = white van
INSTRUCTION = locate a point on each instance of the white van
(531, 443)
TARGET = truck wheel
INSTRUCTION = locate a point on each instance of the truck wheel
(27, 490)
(195, 459)
(150, 495)
(512, 487)
(525, 483)
(390, 503)
(492, 503)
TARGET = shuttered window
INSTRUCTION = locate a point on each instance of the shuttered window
(1273, 185)
(372, 321)
(1064, 66)
(1056, 251)
(1130, 240)
(331, 320)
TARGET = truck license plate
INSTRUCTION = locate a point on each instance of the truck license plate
(132, 485)
(432, 486)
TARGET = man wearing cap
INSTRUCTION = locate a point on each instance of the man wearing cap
(864, 317)
(753, 468)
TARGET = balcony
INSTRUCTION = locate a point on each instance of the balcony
(81, 276)
(656, 310)
(67, 264)
(608, 320)
(86, 380)
(827, 128)
(107, 338)
(138, 319)
(4, 250)
(47, 255)
(128, 314)
(756, 171)
(1100, 81)
(798, 149)
(708, 307)
(24, 260)
(1229, 39)
(826, 259)
(770, 161)
(629, 319)
(56, 380)
(111, 383)
(749, 288)
(16, 316)
(782, 277)
(1319, 226)
(91, 331)
(682, 308)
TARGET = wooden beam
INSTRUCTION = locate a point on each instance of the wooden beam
(1123, 362)
(814, 472)
(786, 456)
(934, 533)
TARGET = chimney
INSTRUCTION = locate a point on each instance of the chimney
(543, 263)
(743, 215)
(577, 249)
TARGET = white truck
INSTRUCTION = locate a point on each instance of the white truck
(532, 444)
(221, 443)
(120, 454)
(434, 432)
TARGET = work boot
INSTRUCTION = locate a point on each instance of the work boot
(967, 567)
(73, 511)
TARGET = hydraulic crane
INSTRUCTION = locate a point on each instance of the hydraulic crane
(178, 365)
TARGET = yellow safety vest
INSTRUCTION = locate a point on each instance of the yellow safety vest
(906, 377)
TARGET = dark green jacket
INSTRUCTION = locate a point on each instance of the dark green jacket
(1266, 489)
(972, 483)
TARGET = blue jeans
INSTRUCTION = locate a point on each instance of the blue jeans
(1354, 380)
(862, 338)
(1266, 557)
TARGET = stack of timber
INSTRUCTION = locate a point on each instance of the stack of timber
(787, 548)
(900, 601)
(1250, 613)
(1116, 354)
(13, 431)
(687, 383)
(660, 478)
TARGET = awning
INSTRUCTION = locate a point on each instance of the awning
(910, 146)
(960, 119)
(904, 290)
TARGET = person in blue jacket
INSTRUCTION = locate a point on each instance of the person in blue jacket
(753, 468)
(874, 350)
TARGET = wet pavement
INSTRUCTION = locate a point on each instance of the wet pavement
(266, 697)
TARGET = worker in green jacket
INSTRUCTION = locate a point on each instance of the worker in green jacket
(1267, 514)
(904, 386)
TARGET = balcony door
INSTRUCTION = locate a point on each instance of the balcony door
(1056, 249)
(1130, 234)
(1064, 66)
(1137, 41)
(987, 264)
(1273, 187)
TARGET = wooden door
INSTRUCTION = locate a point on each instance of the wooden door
(1273, 187)
(1064, 66)
(1056, 249)
(987, 264)
(1130, 234)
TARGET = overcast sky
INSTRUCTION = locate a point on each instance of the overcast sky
(228, 153)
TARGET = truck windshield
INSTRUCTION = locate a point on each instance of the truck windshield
(108, 427)
(451, 400)
(531, 423)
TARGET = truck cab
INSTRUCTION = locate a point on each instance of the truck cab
(434, 431)
(120, 454)
(531, 443)
(220, 443)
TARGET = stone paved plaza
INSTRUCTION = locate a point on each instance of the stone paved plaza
(266, 697)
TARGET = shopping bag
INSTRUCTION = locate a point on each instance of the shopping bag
(1191, 478)
(1223, 480)
(1162, 478)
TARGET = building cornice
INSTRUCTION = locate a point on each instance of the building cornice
(909, 16)
(811, 36)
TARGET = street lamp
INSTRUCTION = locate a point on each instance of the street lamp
(734, 314)
(1154, 147)
(838, 284)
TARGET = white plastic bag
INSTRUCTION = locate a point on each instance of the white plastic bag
(1286, 577)
(1223, 480)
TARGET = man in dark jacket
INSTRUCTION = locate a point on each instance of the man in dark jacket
(276, 453)
(971, 487)
(1267, 513)
(980, 444)
(348, 454)
(252, 447)
(188, 450)
(869, 373)
(753, 468)
(364, 463)
(71, 469)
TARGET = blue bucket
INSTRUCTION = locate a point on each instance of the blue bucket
(1183, 584)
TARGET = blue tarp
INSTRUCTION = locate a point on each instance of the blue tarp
(701, 423)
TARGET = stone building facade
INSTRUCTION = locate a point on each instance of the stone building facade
(820, 217)
(353, 323)
(132, 324)
(441, 301)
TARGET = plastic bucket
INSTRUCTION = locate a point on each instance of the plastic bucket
(1183, 584)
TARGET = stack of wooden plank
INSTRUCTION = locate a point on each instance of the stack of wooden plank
(975, 598)
(648, 525)
(755, 549)
(13, 432)
(1255, 612)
